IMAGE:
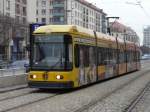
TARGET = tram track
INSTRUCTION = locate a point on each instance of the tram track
(137, 99)
(15, 94)
(19, 106)
(5, 90)
(24, 100)
(94, 102)
(19, 97)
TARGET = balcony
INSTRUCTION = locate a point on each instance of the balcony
(58, 14)
(58, 23)
(55, 5)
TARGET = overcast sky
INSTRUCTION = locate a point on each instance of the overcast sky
(130, 14)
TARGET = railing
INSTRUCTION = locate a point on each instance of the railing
(55, 5)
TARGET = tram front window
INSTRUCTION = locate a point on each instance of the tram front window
(52, 52)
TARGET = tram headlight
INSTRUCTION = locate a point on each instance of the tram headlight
(34, 76)
(59, 77)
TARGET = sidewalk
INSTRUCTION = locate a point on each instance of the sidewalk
(11, 72)
(14, 80)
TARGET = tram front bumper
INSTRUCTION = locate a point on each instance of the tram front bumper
(50, 85)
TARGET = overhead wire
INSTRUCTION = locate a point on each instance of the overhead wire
(141, 6)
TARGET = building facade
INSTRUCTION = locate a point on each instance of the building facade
(124, 32)
(74, 12)
(15, 9)
(146, 33)
(13, 29)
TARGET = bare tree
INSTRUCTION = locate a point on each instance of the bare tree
(8, 31)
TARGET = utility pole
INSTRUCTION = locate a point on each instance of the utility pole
(108, 26)
(3, 8)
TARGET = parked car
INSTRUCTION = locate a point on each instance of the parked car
(145, 57)
(19, 64)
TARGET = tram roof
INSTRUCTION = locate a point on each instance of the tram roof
(71, 29)
(105, 37)
(47, 29)
(63, 29)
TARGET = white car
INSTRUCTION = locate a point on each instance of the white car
(145, 57)
(19, 64)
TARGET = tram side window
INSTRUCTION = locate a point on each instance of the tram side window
(85, 55)
(132, 56)
(103, 55)
(114, 56)
(81, 55)
(76, 52)
(128, 56)
(138, 56)
(125, 56)
(100, 56)
(92, 56)
(135, 56)
(69, 56)
(121, 57)
(110, 54)
(106, 56)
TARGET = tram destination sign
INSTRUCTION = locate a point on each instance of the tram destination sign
(34, 26)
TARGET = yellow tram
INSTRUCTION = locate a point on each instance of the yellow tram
(68, 56)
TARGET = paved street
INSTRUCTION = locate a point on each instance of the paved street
(114, 95)
(72, 43)
(144, 104)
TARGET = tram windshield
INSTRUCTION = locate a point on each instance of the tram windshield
(52, 52)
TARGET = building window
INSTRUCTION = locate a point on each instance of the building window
(24, 11)
(24, 20)
(7, 14)
(24, 1)
(43, 3)
(17, 18)
(37, 3)
(43, 20)
(51, 20)
(51, 2)
(37, 12)
(43, 11)
(8, 4)
(17, 9)
(17, 0)
(58, 20)
(37, 20)
(75, 4)
(51, 11)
